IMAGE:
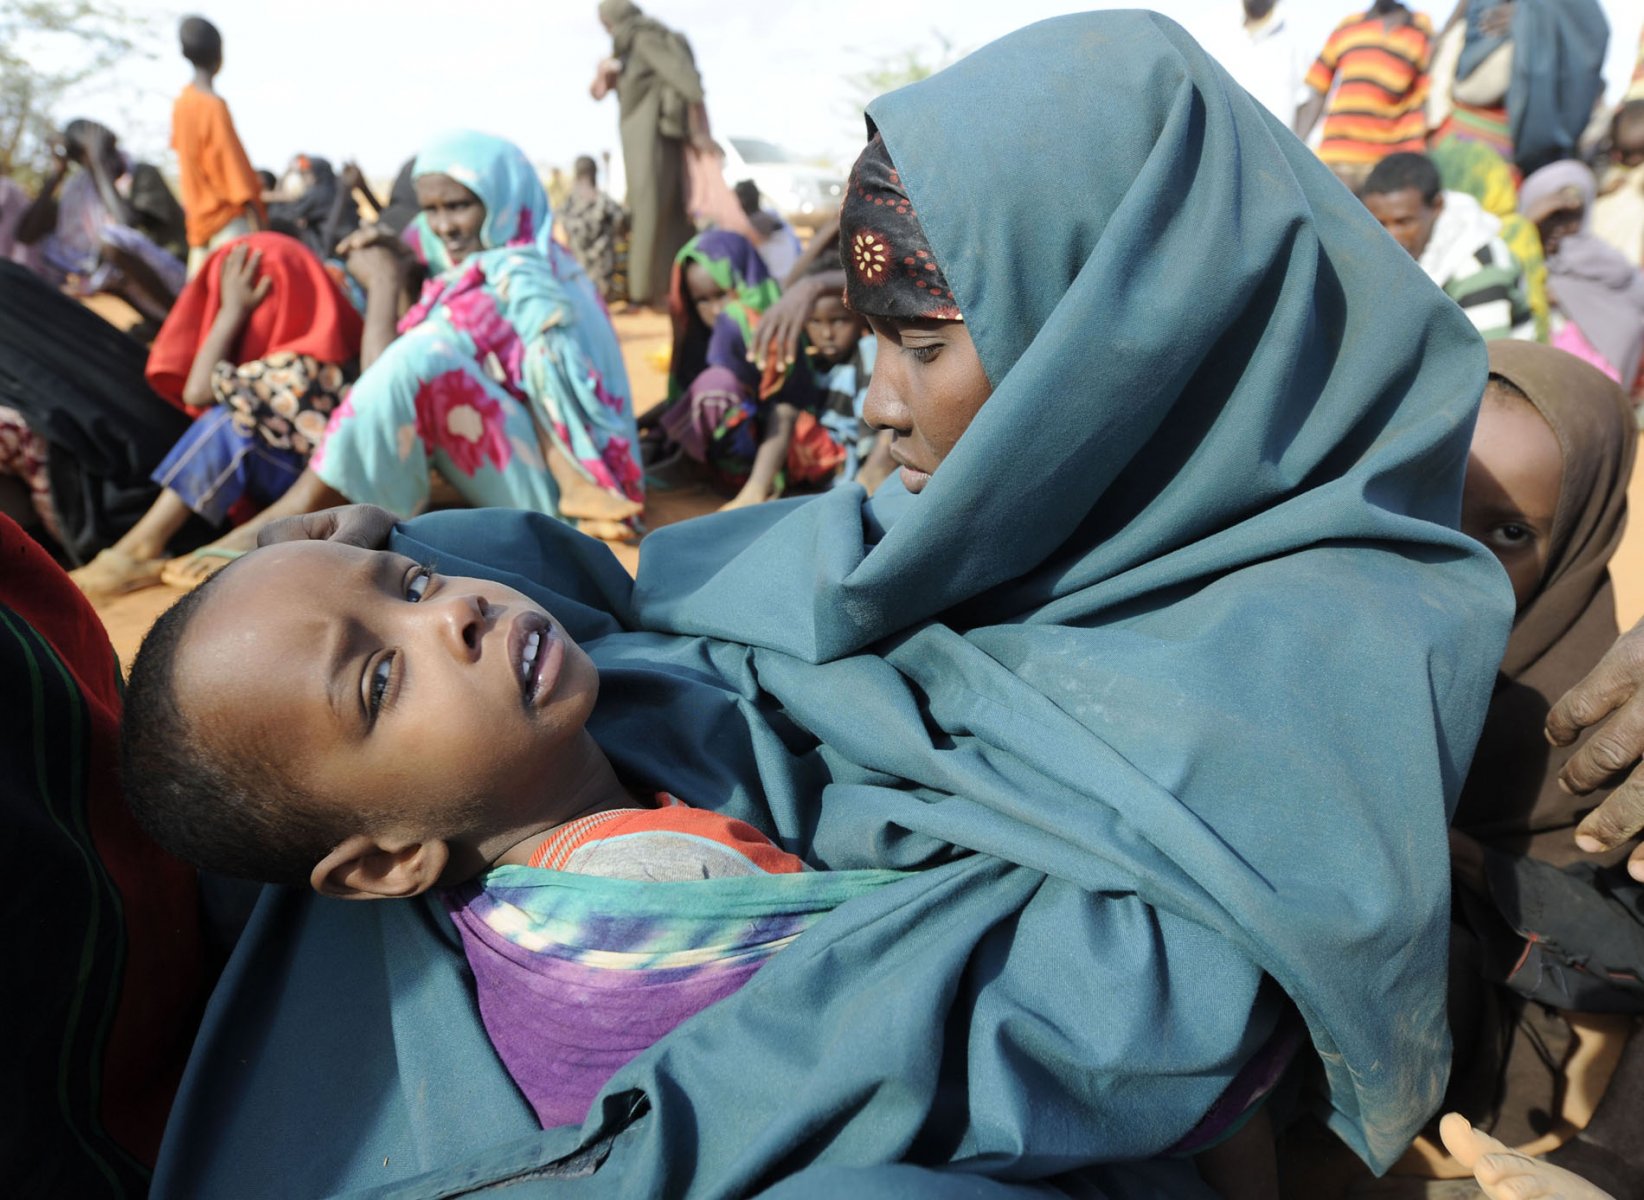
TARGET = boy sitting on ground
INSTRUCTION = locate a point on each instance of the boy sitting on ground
(417, 731)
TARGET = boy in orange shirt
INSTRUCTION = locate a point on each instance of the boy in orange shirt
(222, 196)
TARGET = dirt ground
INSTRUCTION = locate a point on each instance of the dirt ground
(644, 340)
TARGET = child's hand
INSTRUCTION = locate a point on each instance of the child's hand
(242, 291)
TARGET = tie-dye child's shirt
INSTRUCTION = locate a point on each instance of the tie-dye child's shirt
(628, 923)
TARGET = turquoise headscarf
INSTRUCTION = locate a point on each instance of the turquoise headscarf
(495, 170)
(1164, 686)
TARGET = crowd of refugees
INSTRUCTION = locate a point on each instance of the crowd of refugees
(1146, 756)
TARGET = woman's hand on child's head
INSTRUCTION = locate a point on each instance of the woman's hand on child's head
(242, 291)
(782, 324)
(1611, 698)
(363, 525)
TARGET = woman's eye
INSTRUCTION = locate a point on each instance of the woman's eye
(418, 584)
(380, 675)
(1513, 534)
(924, 354)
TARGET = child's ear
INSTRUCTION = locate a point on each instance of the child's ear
(362, 867)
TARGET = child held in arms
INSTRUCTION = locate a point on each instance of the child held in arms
(443, 726)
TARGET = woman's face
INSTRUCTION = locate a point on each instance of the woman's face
(455, 215)
(928, 385)
(1556, 227)
(704, 293)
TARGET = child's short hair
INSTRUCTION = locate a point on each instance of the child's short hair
(235, 814)
(586, 168)
(202, 44)
(1404, 170)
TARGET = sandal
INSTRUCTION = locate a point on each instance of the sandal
(191, 570)
(114, 573)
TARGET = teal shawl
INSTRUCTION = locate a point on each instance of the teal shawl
(1164, 686)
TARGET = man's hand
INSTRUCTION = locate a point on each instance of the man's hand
(352, 524)
(1611, 698)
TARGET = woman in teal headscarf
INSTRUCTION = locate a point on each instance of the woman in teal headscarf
(1164, 685)
(506, 376)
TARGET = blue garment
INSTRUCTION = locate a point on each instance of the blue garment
(214, 465)
(1558, 75)
(1164, 688)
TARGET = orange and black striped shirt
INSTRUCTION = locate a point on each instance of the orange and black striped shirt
(1381, 88)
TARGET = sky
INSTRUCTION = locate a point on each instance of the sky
(369, 80)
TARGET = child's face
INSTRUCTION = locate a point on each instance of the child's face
(705, 294)
(928, 385)
(447, 705)
(833, 331)
(455, 215)
(1558, 226)
(1511, 494)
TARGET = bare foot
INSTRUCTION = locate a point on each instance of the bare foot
(114, 573)
(580, 499)
(608, 531)
(191, 570)
(1505, 1174)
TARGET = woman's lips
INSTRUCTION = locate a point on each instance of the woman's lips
(913, 478)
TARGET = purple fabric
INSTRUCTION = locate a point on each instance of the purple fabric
(1589, 279)
(693, 419)
(742, 254)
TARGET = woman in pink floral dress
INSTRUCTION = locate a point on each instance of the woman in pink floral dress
(506, 377)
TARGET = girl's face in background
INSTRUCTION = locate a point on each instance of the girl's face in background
(928, 385)
(833, 331)
(455, 215)
(1510, 498)
(705, 294)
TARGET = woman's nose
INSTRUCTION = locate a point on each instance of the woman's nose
(883, 407)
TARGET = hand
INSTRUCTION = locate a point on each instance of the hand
(605, 78)
(779, 329)
(374, 263)
(363, 525)
(370, 234)
(242, 291)
(1612, 698)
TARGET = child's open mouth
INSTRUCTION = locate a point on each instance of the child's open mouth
(538, 655)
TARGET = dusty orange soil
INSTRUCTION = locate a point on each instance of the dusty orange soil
(644, 339)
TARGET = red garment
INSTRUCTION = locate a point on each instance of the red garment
(148, 1018)
(304, 312)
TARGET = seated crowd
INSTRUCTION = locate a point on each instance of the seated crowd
(313, 369)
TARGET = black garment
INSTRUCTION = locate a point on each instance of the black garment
(159, 215)
(79, 384)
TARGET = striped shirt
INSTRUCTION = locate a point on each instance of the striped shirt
(670, 841)
(1381, 88)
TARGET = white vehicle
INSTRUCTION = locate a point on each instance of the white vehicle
(800, 192)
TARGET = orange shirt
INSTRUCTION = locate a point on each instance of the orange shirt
(1381, 88)
(215, 177)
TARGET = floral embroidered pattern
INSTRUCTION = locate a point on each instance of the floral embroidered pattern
(456, 414)
(870, 255)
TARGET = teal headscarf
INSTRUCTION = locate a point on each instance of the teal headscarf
(1165, 686)
(495, 170)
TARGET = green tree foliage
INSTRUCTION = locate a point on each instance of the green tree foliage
(891, 71)
(46, 48)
